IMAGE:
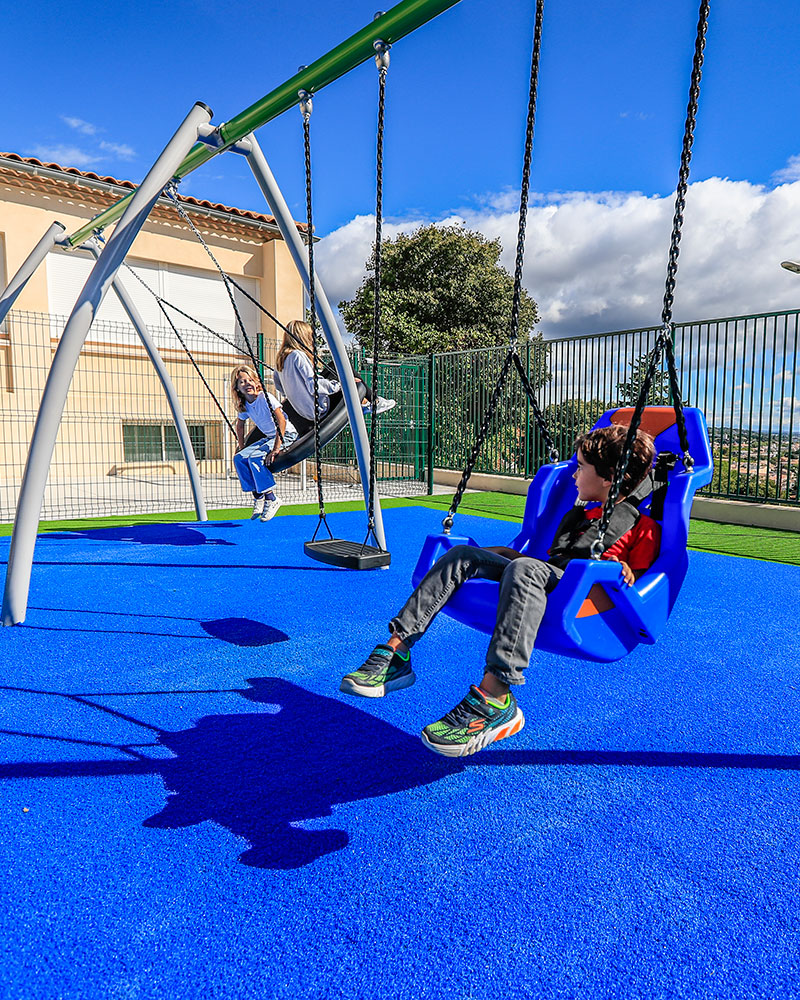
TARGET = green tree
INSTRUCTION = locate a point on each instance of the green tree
(442, 289)
(568, 420)
(658, 394)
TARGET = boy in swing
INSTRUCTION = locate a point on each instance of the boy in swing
(490, 712)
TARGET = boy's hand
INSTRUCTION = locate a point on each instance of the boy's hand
(627, 573)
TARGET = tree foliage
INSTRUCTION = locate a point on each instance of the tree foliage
(442, 289)
(659, 392)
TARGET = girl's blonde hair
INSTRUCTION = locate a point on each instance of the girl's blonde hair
(296, 337)
(238, 399)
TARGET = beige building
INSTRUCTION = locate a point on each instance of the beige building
(117, 422)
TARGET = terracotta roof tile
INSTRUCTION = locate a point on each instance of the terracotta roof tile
(239, 212)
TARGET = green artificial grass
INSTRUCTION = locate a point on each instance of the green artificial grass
(704, 536)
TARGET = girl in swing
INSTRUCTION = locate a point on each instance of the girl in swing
(294, 378)
(252, 460)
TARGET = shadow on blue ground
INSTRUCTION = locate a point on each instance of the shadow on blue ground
(143, 534)
(263, 775)
(236, 631)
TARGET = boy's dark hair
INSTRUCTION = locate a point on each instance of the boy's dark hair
(602, 448)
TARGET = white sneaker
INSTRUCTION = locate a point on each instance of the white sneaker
(258, 507)
(271, 509)
(382, 405)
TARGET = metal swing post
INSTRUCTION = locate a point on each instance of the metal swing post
(34, 480)
(28, 267)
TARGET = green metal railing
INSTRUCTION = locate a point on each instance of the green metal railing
(741, 371)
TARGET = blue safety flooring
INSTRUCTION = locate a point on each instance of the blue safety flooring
(190, 808)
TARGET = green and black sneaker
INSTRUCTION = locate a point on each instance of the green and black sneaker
(473, 724)
(385, 670)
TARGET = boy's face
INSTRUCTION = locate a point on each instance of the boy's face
(591, 485)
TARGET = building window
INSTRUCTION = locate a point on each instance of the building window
(159, 442)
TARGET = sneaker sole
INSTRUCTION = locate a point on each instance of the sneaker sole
(511, 728)
(378, 690)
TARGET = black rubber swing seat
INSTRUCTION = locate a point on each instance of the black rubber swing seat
(347, 555)
(330, 425)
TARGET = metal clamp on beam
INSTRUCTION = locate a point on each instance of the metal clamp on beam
(381, 54)
(306, 103)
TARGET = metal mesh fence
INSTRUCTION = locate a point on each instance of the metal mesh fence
(117, 450)
(742, 372)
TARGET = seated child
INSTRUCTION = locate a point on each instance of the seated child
(490, 711)
(294, 378)
(252, 459)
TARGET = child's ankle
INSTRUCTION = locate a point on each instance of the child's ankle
(395, 642)
(493, 687)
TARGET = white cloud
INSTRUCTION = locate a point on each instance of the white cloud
(119, 149)
(64, 156)
(789, 173)
(85, 128)
(596, 262)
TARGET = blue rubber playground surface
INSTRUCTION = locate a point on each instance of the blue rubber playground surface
(190, 808)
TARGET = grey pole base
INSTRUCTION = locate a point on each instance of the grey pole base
(29, 265)
(286, 224)
(181, 427)
(34, 479)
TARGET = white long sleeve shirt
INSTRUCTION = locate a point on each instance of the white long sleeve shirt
(296, 382)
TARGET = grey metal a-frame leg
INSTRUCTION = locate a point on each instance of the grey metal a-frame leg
(181, 426)
(34, 480)
(29, 265)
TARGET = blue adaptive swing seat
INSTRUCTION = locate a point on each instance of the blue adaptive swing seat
(592, 614)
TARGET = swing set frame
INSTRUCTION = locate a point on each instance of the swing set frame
(194, 143)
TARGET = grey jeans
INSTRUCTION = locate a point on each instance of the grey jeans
(524, 586)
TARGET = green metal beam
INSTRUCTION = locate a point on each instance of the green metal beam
(396, 23)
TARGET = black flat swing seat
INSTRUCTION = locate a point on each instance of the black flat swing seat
(332, 424)
(347, 555)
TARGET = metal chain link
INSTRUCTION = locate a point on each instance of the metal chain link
(447, 523)
(664, 340)
(171, 191)
(512, 354)
(306, 107)
(382, 62)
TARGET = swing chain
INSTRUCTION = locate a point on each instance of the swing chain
(447, 523)
(306, 109)
(171, 190)
(382, 64)
(665, 339)
(512, 355)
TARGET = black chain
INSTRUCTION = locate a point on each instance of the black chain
(512, 355)
(162, 303)
(306, 108)
(171, 192)
(447, 523)
(526, 171)
(382, 60)
(664, 342)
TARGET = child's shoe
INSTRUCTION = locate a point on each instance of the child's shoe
(473, 724)
(258, 506)
(271, 508)
(381, 405)
(385, 670)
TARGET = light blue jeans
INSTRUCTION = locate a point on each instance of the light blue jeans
(253, 474)
(524, 586)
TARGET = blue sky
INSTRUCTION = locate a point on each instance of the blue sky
(102, 88)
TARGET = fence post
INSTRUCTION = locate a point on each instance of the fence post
(431, 416)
